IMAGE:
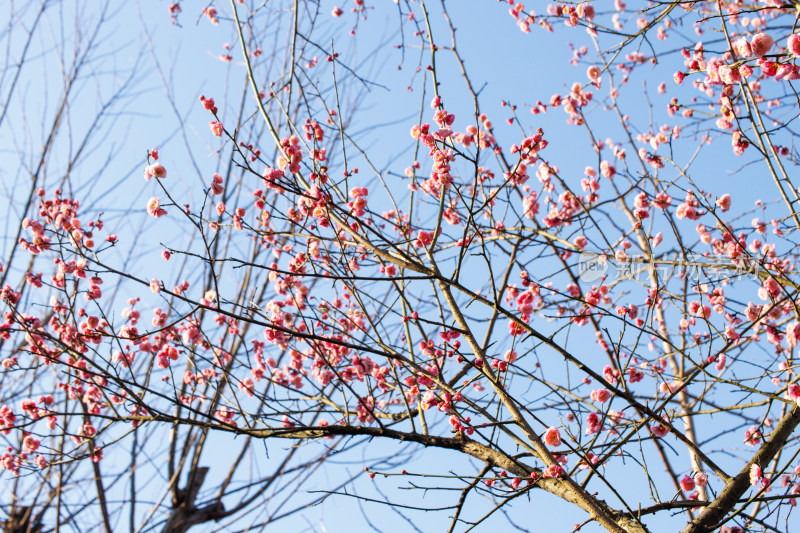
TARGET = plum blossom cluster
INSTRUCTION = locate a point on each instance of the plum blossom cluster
(463, 317)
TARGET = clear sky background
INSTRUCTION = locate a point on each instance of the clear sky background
(147, 74)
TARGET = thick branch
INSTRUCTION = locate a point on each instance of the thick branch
(710, 517)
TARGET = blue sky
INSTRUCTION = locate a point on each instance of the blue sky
(147, 75)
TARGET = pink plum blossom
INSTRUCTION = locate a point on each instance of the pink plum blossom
(724, 202)
(552, 437)
(156, 170)
(154, 208)
(600, 395)
(755, 474)
(761, 44)
(793, 44)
